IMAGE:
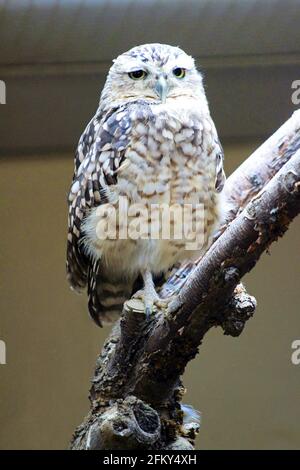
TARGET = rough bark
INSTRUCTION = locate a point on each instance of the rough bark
(136, 389)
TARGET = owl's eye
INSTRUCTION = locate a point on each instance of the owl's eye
(137, 74)
(179, 72)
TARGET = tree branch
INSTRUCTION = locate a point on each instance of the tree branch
(136, 390)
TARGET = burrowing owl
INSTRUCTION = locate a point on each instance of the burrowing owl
(152, 143)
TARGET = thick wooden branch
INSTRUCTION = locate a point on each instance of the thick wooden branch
(246, 181)
(203, 301)
(136, 390)
(252, 175)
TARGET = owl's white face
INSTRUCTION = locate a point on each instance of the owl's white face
(152, 72)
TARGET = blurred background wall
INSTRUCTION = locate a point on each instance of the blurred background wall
(54, 56)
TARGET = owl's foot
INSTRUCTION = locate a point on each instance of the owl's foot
(153, 301)
(149, 298)
(149, 295)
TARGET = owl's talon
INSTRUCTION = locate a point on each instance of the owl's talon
(167, 304)
(152, 301)
(140, 294)
(149, 301)
(148, 312)
(163, 303)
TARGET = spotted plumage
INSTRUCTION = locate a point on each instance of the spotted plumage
(153, 142)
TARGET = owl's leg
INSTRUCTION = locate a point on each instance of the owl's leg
(149, 295)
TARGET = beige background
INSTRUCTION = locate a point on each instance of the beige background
(247, 388)
(54, 57)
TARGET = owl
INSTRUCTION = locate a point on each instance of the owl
(150, 151)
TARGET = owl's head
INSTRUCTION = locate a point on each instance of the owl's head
(154, 72)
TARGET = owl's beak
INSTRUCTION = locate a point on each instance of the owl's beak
(161, 88)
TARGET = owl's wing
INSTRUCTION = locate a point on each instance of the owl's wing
(100, 152)
(214, 150)
(218, 153)
(220, 174)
